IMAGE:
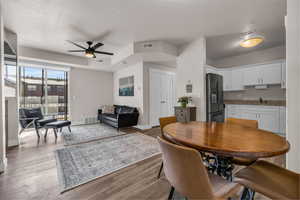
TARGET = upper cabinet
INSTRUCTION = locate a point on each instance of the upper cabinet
(226, 79)
(232, 79)
(268, 74)
(252, 76)
(235, 78)
(271, 74)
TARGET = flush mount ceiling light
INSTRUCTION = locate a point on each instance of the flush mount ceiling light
(251, 39)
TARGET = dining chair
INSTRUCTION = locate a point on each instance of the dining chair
(270, 180)
(164, 121)
(246, 123)
(185, 171)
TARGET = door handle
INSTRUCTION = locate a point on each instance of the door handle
(162, 101)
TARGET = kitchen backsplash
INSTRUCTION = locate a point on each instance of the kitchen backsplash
(250, 93)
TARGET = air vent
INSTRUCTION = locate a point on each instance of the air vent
(148, 45)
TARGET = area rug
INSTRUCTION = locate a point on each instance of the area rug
(87, 133)
(82, 163)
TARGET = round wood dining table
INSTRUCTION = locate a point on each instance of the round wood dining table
(227, 139)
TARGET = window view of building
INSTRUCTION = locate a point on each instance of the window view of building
(10, 79)
(10, 71)
(45, 88)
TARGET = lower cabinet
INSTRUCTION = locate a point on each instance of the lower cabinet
(270, 118)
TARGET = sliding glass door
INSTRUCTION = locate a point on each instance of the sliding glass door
(56, 93)
(44, 88)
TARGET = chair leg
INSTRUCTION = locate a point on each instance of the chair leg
(247, 194)
(60, 130)
(55, 132)
(37, 132)
(69, 129)
(46, 132)
(160, 170)
(252, 194)
(170, 197)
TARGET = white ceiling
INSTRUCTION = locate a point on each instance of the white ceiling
(48, 24)
(218, 47)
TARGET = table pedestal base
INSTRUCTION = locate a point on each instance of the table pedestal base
(248, 194)
(223, 166)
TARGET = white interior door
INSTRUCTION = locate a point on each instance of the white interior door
(162, 95)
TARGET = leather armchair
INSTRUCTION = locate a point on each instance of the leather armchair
(33, 118)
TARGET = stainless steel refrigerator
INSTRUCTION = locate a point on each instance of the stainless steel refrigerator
(215, 108)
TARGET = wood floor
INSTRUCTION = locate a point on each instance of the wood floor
(31, 174)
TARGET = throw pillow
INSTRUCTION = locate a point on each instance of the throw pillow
(108, 109)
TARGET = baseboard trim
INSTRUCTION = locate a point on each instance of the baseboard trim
(3, 164)
(13, 143)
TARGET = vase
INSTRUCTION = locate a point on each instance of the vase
(183, 104)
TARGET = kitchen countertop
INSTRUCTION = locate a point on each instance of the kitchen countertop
(256, 102)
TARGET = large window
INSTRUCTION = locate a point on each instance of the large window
(45, 88)
(10, 76)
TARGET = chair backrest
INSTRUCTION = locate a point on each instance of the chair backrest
(243, 122)
(185, 170)
(29, 113)
(164, 121)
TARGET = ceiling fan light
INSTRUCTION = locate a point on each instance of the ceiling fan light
(89, 55)
(251, 40)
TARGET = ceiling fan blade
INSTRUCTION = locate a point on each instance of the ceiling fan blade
(96, 46)
(76, 51)
(102, 52)
(76, 44)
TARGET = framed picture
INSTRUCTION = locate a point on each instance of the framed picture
(126, 86)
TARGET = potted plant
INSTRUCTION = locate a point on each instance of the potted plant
(184, 101)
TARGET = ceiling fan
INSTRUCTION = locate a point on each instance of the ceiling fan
(90, 50)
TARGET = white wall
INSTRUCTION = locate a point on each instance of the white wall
(137, 100)
(53, 57)
(259, 56)
(89, 89)
(191, 68)
(2, 102)
(140, 71)
(12, 122)
(293, 83)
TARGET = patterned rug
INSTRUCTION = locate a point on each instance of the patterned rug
(82, 163)
(87, 133)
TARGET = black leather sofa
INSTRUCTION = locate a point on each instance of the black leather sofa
(123, 116)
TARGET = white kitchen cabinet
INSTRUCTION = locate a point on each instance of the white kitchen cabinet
(269, 118)
(237, 79)
(212, 70)
(232, 79)
(283, 75)
(271, 74)
(252, 76)
(267, 74)
(249, 114)
(227, 84)
(282, 117)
